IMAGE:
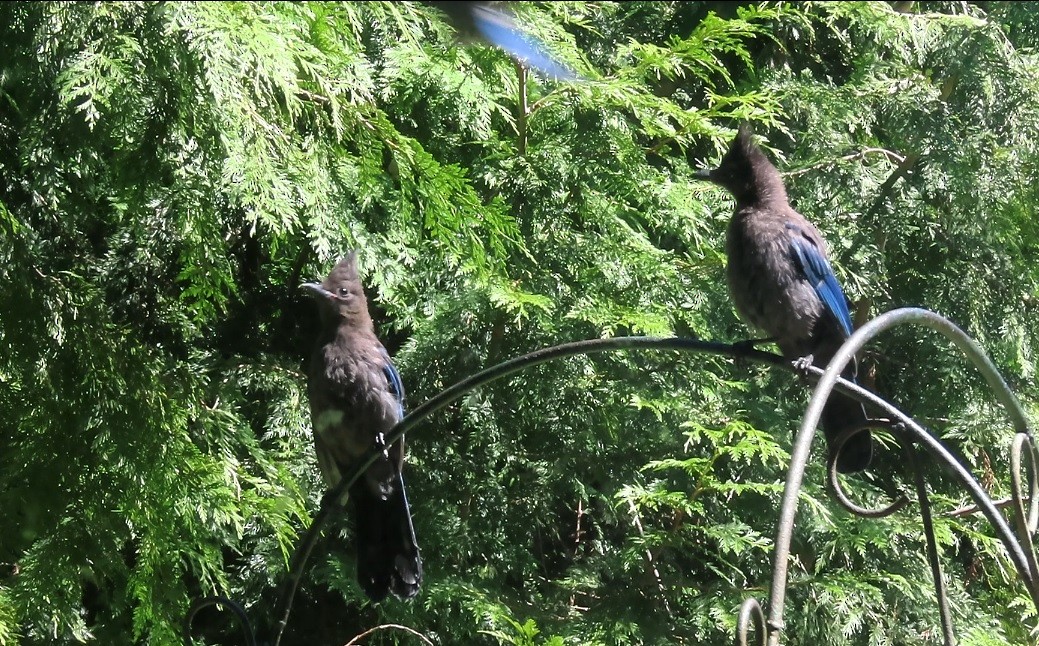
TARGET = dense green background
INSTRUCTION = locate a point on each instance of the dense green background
(171, 172)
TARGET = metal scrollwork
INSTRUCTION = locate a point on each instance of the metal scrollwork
(913, 437)
(835, 484)
(767, 630)
(751, 611)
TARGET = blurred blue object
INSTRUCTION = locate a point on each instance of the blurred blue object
(476, 21)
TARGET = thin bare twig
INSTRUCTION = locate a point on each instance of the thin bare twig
(314, 98)
(577, 542)
(649, 558)
(909, 162)
(577, 532)
(973, 509)
(890, 154)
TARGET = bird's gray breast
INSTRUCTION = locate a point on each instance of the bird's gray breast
(357, 403)
(768, 288)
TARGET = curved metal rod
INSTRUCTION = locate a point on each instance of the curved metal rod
(750, 610)
(835, 485)
(512, 366)
(1025, 524)
(217, 600)
(329, 502)
(302, 553)
(1033, 488)
(909, 451)
(799, 456)
(940, 591)
(831, 378)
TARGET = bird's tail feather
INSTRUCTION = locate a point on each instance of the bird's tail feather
(840, 414)
(387, 552)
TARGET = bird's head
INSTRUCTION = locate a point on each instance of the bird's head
(341, 295)
(744, 168)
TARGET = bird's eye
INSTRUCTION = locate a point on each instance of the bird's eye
(344, 292)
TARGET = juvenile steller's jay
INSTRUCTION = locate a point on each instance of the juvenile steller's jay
(356, 397)
(476, 21)
(782, 283)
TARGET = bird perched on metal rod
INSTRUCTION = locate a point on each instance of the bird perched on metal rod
(356, 397)
(477, 21)
(781, 281)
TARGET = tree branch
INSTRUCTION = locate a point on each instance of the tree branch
(890, 154)
(521, 120)
(649, 558)
(910, 160)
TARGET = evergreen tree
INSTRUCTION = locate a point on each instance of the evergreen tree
(171, 172)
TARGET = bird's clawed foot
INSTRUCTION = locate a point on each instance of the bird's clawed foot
(803, 364)
(380, 443)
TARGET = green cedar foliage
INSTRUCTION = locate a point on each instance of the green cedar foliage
(170, 173)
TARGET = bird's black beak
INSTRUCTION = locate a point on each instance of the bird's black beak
(317, 289)
(703, 173)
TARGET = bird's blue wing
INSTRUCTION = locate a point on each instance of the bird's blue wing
(498, 29)
(393, 378)
(819, 273)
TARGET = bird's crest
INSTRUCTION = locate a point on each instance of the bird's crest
(344, 272)
(744, 146)
(746, 172)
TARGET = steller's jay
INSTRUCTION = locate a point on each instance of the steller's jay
(476, 21)
(356, 397)
(781, 282)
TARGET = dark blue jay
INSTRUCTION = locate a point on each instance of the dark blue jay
(476, 21)
(781, 281)
(356, 397)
